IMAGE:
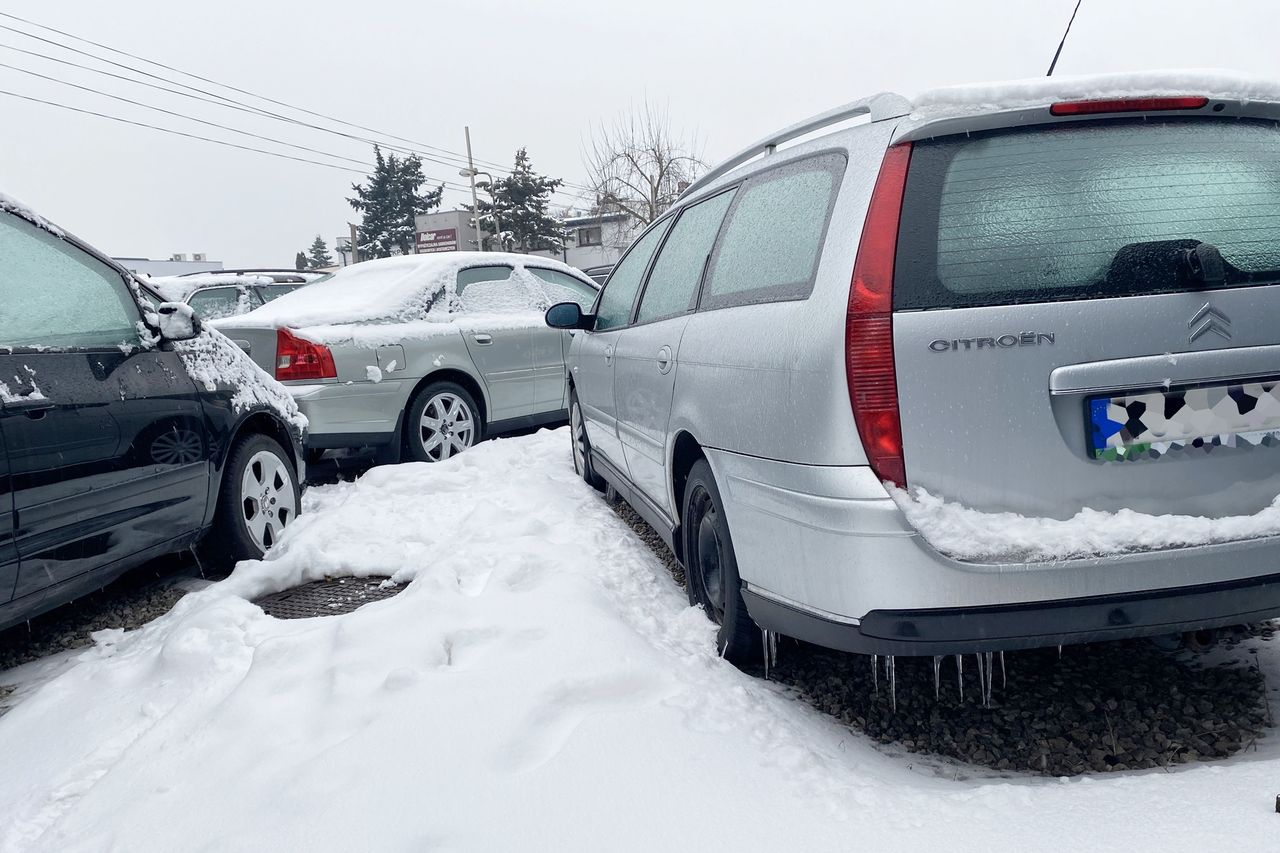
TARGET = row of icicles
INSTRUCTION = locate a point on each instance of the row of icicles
(986, 671)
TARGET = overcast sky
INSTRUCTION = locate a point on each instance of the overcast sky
(539, 75)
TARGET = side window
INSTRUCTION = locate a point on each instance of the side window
(673, 284)
(56, 295)
(614, 307)
(562, 287)
(495, 290)
(773, 238)
(216, 302)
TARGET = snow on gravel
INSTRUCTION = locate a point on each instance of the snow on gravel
(540, 685)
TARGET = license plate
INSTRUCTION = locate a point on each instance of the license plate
(1151, 424)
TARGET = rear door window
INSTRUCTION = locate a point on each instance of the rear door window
(673, 284)
(774, 234)
(614, 307)
(54, 294)
(1089, 210)
(562, 287)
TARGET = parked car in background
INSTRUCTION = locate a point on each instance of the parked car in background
(598, 274)
(227, 293)
(419, 356)
(126, 430)
(1057, 329)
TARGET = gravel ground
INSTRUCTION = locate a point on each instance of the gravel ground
(130, 602)
(1096, 708)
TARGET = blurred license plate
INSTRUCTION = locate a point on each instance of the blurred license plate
(1151, 424)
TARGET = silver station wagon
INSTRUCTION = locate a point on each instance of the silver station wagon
(998, 368)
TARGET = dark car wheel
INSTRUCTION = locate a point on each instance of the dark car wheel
(259, 498)
(582, 445)
(711, 570)
(442, 421)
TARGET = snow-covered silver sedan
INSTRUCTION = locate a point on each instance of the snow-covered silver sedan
(419, 356)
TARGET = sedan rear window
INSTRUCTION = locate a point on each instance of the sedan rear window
(1082, 211)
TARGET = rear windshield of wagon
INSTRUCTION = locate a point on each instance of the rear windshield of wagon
(1083, 211)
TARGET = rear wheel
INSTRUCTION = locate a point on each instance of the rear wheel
(711, 569)
(582, 445)
(258, 499)
(442, 421)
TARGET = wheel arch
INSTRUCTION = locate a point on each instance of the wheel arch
(451, 374)
(685, 452)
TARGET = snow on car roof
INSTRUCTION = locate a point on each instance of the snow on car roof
(975, 98)
(9, 204)
(384, 288)
(178, 288)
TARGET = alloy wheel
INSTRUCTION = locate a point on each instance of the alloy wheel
(447, 426)
(267, 498)
(709, 556)
(579, 438)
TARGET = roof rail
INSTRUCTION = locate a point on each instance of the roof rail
(881, 106)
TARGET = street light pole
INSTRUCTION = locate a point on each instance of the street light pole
(475, 203)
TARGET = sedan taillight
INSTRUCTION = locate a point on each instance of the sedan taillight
(297, 358)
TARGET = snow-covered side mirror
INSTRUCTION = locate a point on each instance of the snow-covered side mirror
(178, 322)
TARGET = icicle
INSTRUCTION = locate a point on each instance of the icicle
(937, 677)
(960, 674)
(991, 677)
(773, 649)
(875, 674)
(1059, 652)
(770, 644)
(982, 681)
(893, 681)
(1004, 677)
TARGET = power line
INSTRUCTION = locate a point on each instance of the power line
(451, 154)
(179, 132)
(230, 103)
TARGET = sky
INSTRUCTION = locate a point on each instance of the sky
(520, 74)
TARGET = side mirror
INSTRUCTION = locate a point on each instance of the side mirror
(568, 315)
(178, 322)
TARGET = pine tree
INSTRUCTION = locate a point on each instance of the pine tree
(320, 256)
(300, 261)
(522, 199)
(389, 201)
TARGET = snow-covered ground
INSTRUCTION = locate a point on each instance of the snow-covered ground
(540, 685)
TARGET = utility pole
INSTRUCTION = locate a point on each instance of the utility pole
(475, 204)
(355, 244)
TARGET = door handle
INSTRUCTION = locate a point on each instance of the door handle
(664, 359)
(32, 407)
(608, 355)
(482, 338)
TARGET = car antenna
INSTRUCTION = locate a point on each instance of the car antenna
(1065, 33)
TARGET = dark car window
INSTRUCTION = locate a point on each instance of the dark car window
(773, 238)
(614, 308)
(562, 287)
(673, 284)
(54, 294)
(215, 302)
(475, 275)
(269, 292)
(1086, 211)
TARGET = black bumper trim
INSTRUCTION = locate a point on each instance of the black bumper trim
(1030, 625)
(334, 440)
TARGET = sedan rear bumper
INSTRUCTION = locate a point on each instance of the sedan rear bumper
(1035, 624)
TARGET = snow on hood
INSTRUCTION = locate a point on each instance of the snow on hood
(969, 534)
(385, 289)
(10, 204)
(177, 288)
(969, 99)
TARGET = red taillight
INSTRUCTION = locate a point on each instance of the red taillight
(869, 367)
(1126, 105)
(301, 359)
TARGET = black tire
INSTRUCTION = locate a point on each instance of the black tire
(711, 569)
(231, 539)
(418, 437)
(582, 445)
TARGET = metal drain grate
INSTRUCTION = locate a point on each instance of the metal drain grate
(327, 597)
